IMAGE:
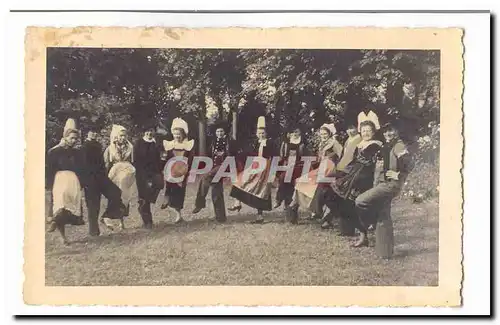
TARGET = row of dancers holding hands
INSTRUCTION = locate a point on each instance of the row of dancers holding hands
(363, 176)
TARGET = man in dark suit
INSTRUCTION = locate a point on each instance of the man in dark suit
(394, 164)
(97, 183)
(148, 165)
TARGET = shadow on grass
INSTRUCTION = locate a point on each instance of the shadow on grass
(162, 229)
(68, 252)
(404, 253)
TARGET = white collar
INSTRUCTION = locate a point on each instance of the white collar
(147, 140)
(263, 142)
(184, 145)
(363, 144)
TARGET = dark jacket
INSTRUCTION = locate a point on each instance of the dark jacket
(285, 149)
(268, 152)
(60, 158)
(147, 157)
(226, 145)
(148, 165)
(396, 157)
(93, 160)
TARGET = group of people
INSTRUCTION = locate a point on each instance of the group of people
(117, 173)
(354, 182)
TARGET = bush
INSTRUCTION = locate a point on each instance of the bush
(423, 182)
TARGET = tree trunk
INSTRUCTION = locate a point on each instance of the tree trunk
(280, 102)
(233, 113)
(202, 127)
(234, 127)
(220, 111)
(220, 107)
(202, 136)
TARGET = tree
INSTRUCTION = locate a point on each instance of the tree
(134, 87)
(101, 86)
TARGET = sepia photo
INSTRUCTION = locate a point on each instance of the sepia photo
(314, 167)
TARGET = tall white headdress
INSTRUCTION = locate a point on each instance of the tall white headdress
(70, 125)
(179, 123)
(371, 116)
(261, 122)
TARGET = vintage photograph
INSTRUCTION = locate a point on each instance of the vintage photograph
(331, 161)
(115, 117)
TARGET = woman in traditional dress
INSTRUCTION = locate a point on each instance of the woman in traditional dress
(118, 158)
(306, 194)
(148, 165)
(98, 183)
(179, 147)
(65, 178)
(357, 178)
(293, 148)
(255, 191)
(348, 152)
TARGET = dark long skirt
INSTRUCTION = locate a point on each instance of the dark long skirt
(175, 195)
(255, 191)
(286, 189)
(358, 180)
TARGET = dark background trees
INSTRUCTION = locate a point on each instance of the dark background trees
(134, 87)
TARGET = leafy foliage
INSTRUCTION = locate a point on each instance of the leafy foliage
(295, 86)
(423, 182)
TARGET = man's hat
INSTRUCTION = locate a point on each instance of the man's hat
(395, 124)
(219, 125)
(149, 125)
(292, 127)
(93, 128)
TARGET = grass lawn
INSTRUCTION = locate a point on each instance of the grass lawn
(201, 252)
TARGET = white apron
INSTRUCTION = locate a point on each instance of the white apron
(123, 175)
(67, 193)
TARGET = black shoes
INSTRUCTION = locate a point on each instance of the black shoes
(196, 210)
(235, 208)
